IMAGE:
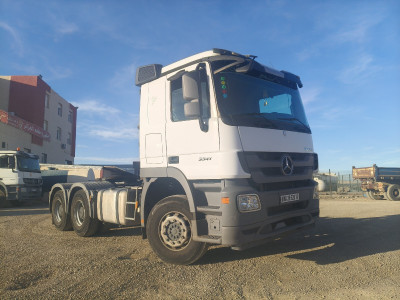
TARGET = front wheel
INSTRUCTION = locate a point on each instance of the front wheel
(393, 192)
(170, 233)
(3, 202)
(82, 223)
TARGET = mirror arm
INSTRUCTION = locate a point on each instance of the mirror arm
(203, 125)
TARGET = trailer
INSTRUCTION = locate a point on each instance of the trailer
(226, 158)
(379, 183)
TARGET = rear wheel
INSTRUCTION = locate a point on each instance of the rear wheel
(60, 217)
(82, 223)
(170, 234)
(393, 192)
(374, 196)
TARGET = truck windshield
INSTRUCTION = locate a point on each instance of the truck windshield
(245, 100)
(28, 164)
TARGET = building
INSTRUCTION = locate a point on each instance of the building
(36, 119)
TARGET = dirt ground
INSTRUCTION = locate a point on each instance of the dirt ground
(353, 253)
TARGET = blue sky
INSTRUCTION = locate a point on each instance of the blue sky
(346, 52)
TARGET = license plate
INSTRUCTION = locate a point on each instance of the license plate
(290, 198)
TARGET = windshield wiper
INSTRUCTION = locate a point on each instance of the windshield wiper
(235, 63)
(295, 119)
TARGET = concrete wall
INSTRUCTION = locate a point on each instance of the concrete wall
(54, 148)
(4, 92)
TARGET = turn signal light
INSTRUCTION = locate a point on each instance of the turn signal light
(225, 200)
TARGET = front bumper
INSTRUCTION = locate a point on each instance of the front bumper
(244, 230)
(24, 192)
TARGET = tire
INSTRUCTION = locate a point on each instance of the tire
(82, 223)
(393, 192)
(374, 196)
(170, 234)
(61, 219)
(3, 202)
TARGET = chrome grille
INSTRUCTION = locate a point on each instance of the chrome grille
(266, 167)
(32, 181)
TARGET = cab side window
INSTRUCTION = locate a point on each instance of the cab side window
(177, 101)
(4, 162)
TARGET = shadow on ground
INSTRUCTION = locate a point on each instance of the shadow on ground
(333, 240)
(24, 209)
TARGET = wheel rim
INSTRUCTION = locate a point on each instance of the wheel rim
(79, 212)
(175, 231)
(58, 211)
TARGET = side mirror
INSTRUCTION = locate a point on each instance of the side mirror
(190, 86)
(192, 109)
(11, 162)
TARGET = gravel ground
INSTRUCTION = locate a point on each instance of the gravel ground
(353, 253)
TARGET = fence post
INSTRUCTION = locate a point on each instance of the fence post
(330, 182)
(350, 181)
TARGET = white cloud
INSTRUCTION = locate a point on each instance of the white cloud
(357, 32)
(17, 42)
(309, 95)
(123, 81)
(95, 107)
(102, 121)
(67, 28)
(336, 30)
(116, 133)
(362, 68)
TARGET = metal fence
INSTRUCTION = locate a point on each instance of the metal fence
(339, 182)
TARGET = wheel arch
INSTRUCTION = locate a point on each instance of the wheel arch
(64, 187)
(156, 188)
(3, 188)
(90, 189)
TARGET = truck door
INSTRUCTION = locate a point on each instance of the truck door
(192, 142)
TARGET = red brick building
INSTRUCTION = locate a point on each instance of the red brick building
(36, 119)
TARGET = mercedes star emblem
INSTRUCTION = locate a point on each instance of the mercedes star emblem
(287, 165)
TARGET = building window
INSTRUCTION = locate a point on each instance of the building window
(68, 162)
(3, 145)
(47, 100)
(59, 133)
(59, 111)
(45, 125)
(44, 158)
(70, 116)
(69, 139)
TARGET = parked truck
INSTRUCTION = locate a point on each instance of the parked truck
(379, 183)
(226, 157)
(20, 177)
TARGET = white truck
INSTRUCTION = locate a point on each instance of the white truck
(20, 177)
(226, 157)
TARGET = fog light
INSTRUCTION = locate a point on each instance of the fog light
(248, 203)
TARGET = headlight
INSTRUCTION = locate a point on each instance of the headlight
(316, 193)
(248, 203)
